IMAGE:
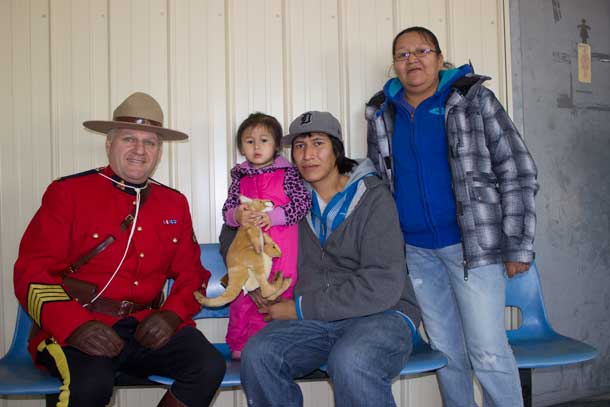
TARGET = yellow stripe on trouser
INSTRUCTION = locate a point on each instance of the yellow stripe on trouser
(57, 353)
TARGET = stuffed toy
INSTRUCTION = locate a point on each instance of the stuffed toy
(249, 262)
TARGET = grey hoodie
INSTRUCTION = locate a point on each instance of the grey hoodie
(361, 268)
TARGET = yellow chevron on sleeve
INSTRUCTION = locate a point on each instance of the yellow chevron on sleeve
(40, 294)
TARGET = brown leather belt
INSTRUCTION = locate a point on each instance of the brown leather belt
(117, 308)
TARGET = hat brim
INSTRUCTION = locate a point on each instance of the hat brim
(288, 138)
(102, 126)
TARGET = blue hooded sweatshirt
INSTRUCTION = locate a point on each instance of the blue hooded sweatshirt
(422, 177)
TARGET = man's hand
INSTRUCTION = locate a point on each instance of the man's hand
(513, 268)
(285, 309)
(96, 339)
(156, 330)
(259, 300)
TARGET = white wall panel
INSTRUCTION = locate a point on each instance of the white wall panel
(198, 107)
(25, 162)
(314, 64)
(25, 142)
(140, 397)
(367, 32)
(139, 59)
(431, 14)
(6, 116)
(255, 55)
(79, 82)
(477, 35)
(420, 391)
(209, 63)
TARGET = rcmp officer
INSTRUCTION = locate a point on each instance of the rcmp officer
(94, 260)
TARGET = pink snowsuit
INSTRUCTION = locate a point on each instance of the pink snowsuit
(269, 183)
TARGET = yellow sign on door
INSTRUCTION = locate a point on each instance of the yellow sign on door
(584, 63)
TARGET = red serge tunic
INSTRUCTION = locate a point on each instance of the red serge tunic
(76, 215)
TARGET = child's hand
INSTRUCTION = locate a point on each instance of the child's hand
(263, 221)
(244, 216)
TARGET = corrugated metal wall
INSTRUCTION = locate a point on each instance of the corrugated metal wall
(209, 63)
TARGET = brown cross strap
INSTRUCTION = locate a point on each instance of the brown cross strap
(84, 259)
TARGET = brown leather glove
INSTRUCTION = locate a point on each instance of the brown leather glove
(155, 330)
(96, 339)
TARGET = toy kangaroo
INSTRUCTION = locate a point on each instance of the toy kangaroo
(249, 262)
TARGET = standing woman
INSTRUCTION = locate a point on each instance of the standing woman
(464, 184)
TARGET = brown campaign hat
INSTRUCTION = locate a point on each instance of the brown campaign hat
(141, 112)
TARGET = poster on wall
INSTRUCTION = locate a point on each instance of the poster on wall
(584, 59)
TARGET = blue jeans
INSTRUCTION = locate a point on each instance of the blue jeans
(464, 319)
(363, 356)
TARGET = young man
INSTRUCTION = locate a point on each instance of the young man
(354, 307)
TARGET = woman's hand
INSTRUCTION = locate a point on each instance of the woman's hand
(514, 267)
(285, 309)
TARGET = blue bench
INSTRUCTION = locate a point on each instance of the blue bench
(19, 376)
(535, 344)
(423, 358)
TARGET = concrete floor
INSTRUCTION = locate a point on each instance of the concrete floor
(599, 401)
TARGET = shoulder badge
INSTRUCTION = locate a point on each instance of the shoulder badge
(153, 181)
(80, 174)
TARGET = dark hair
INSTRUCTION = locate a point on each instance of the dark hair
(262, 119)
(424, 32)
(344, 164)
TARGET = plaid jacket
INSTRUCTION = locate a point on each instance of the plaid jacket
(494, 175)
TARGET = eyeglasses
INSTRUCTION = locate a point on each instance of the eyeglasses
(418, 53)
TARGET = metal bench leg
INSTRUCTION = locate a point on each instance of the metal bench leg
(51, 400)
(526, 386)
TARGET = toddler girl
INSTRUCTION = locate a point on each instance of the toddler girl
(264, 175)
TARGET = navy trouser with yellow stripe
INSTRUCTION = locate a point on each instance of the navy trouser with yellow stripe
(193, 362)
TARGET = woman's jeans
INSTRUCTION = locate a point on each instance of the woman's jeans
(464, 319)
(363, 356)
